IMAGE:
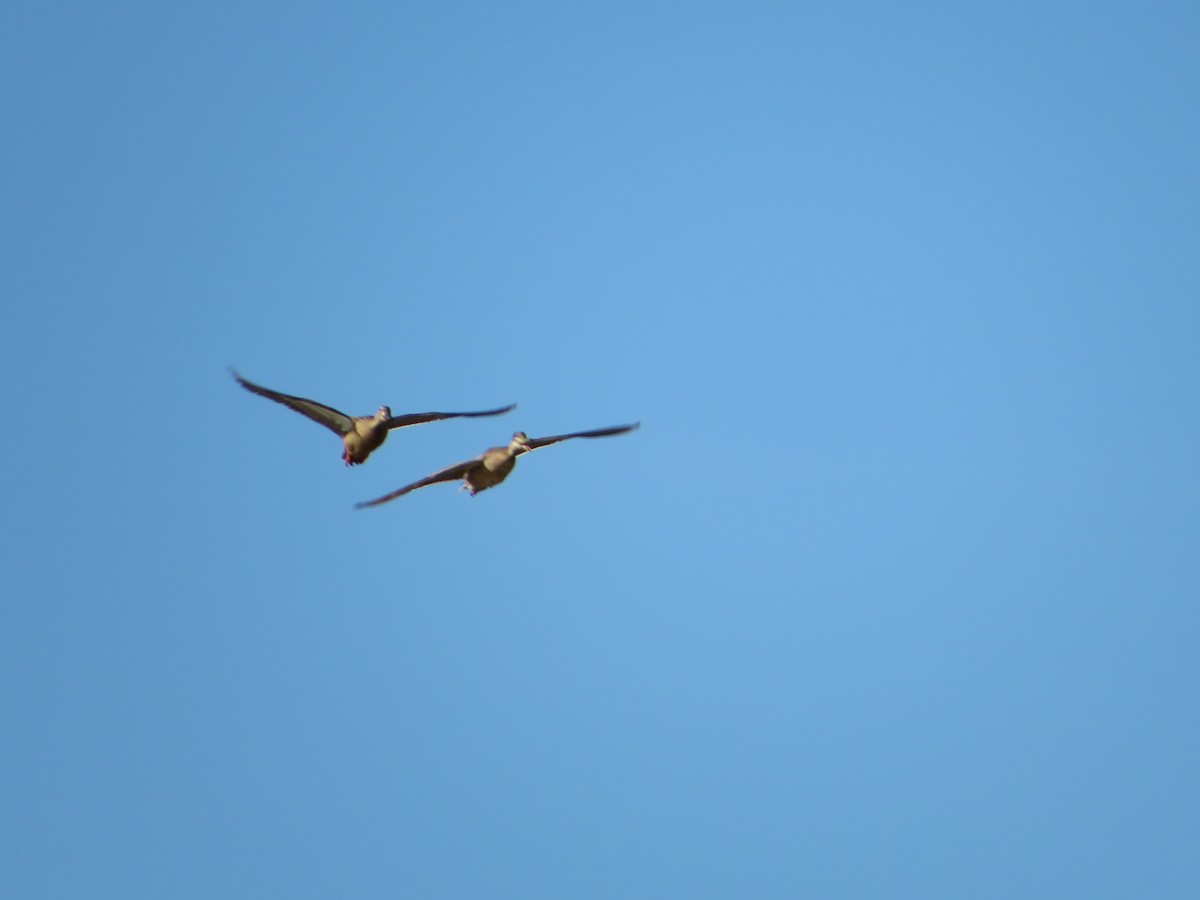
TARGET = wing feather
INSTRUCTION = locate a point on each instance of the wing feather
(335, 420)
(450, 473)
(536, 443)
(422, 418)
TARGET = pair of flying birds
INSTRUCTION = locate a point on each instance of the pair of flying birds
(363, 435)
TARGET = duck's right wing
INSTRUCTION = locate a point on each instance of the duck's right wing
(450, 473)
(333, 419)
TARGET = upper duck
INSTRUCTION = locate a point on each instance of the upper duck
(361, 435)
(493, 465)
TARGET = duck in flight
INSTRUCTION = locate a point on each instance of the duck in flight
(361, 435)
(493, 465)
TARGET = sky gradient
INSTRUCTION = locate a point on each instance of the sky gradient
(893, 594)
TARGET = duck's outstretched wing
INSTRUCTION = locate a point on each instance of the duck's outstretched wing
(535, 443)
(422, 418)
(333, 419)
(450, 473)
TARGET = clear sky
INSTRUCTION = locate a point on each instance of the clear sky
(894, 594)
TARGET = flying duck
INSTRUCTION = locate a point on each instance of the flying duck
(361, 435)
(493, 465)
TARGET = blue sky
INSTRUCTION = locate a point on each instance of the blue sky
(894, 594)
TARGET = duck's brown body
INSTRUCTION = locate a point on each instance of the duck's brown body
(367, 435)
(494, 466)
